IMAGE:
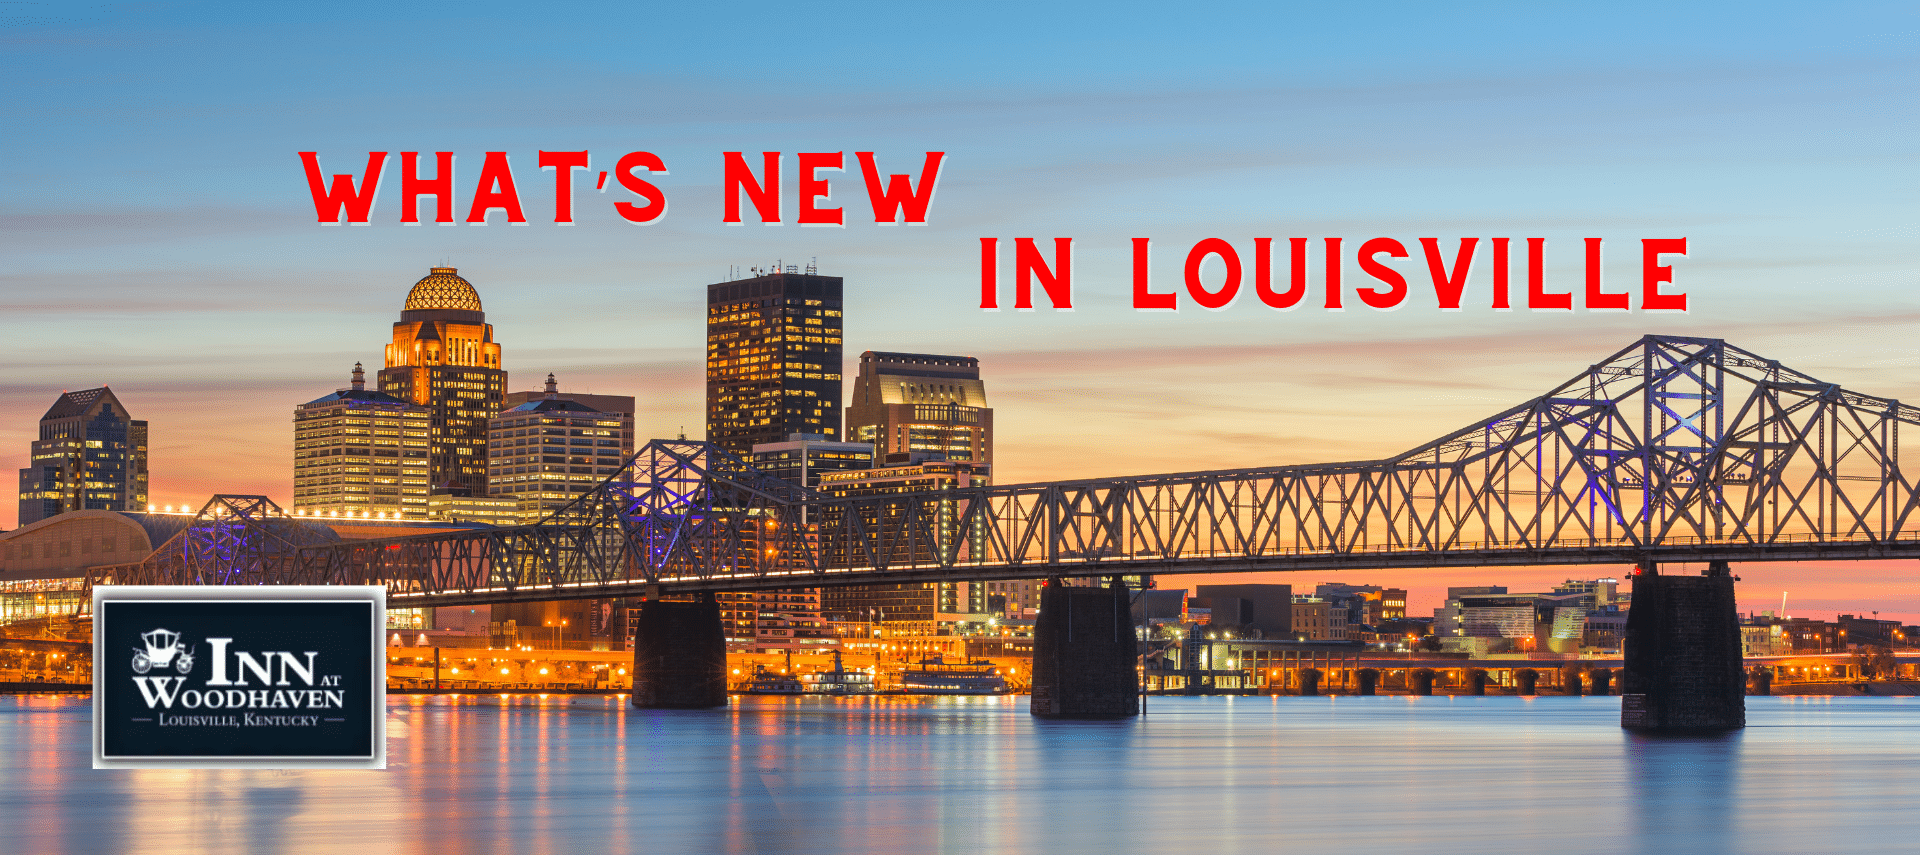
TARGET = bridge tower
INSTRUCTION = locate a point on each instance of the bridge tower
(1683, 666)
(679, 655)
(1083, 653)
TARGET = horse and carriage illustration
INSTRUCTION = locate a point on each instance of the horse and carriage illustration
(163, 649)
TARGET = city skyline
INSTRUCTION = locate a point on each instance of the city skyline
(185, 271)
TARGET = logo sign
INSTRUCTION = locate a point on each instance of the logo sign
(290, 676)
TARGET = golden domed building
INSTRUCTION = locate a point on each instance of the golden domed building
(443, 357)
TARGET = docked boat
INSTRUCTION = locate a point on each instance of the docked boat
(764, 682)
(838, 681)
(940, 677)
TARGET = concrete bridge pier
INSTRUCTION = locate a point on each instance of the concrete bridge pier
(679, 655)
(1683, 668)
(1084, 653)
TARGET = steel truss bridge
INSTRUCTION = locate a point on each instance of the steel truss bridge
(1673, 449)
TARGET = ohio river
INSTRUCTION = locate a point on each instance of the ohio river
(1196, 775)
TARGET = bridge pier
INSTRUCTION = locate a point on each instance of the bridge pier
(1683, 667)
(1084, 653)
(679, 655)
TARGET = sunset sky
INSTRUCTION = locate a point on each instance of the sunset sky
(159, 237)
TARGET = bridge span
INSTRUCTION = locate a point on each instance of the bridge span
(1672, 449)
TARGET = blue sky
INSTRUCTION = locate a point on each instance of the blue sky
(158, 236)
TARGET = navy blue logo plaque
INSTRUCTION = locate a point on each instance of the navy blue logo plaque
(209, 677)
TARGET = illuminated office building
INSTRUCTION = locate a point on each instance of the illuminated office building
(443, 357)
(91, 455)
(361, 454)
(547, 450)
(773, 359)
(915, 608)
(918, 403)
(923, 406)
(802, 458)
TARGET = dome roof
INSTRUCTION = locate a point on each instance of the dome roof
(443, 289)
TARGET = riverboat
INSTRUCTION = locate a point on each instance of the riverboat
(838, 681)
(765, 682)
(939, 677)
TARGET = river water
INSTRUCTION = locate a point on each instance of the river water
(884, 775)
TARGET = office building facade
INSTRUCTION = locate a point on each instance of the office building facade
(361, 454)
(921, 608)
(91, 455)
(802, 458)
(773, 359)
(547, 450)
(443, 357)
(920, 404)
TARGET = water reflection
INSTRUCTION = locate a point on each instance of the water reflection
(891, 774)
(1684, 789)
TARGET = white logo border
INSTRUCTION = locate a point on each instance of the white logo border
(374, 596)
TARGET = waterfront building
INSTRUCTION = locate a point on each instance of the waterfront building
(1808, 635)
(443, 357)
(545, 451)
(1606, 628)
(361, 454)
(1764, 638)
(1523, 622)
(920, 403)
(1447, 619)
(1857, 631)
(496, 511)
(1600, 592)
(44, 564)
(773, 358)
(775, 621)
(1315, 619)
(1269, 608)
(91, 455)
(1365, 605)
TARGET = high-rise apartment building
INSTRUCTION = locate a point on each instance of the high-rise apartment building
(920, 403)
(361, 454)
(91, 455)
(773, 359)
(548, 450)
(443, 357)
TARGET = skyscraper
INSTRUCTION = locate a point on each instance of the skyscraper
(91, 455)
(359, 453)
(917, 407)
(920, 404)
(547, 450)
(773, 359)
(443, 357)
